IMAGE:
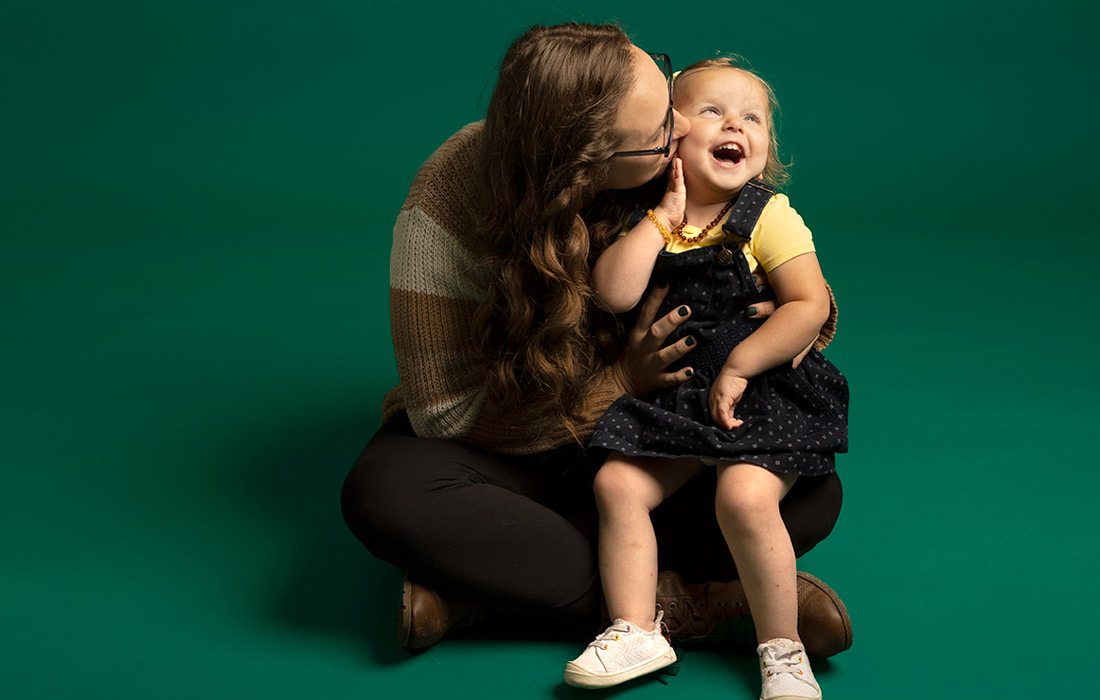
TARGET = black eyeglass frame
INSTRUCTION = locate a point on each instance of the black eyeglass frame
(662, 60)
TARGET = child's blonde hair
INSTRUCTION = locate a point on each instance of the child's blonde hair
(775, 170)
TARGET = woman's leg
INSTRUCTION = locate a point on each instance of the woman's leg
(473, 524)
(747, 505)
(627, 490)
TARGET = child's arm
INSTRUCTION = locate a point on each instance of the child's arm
(621, 273)
(803, 308)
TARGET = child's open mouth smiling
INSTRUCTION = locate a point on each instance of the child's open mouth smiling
(731, 153)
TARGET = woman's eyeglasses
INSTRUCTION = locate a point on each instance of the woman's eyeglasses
(665, 64)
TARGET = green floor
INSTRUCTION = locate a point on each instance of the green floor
(197, 204)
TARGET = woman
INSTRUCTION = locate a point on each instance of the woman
(477, 484)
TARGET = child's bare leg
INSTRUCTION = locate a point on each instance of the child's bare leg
(627, 490)
(747, 504)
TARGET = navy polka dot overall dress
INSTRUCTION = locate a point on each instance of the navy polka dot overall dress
(795, 419)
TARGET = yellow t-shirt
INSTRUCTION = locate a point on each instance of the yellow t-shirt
(780, 235)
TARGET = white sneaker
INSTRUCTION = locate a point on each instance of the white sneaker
(785, 672)
(623, 651)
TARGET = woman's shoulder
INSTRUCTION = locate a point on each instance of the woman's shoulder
(446, 192)
(451, 169)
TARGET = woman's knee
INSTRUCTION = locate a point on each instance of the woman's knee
(811, 510)
(379, 495)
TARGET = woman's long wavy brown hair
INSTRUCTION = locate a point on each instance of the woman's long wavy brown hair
(548, 138)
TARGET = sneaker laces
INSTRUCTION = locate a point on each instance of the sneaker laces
(618, 628)
(786, 661)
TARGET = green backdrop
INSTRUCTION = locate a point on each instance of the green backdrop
(197, 200)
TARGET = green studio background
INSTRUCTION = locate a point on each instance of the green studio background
(197, 206)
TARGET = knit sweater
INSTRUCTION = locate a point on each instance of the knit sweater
(438, 277)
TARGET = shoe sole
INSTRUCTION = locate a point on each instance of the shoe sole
(579, 678)
(404, 615)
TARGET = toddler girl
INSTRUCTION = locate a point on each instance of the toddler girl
(746, 410)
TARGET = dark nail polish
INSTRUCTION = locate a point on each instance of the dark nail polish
(689, 341)
(683, 311)
(751, 311)
(690, 373)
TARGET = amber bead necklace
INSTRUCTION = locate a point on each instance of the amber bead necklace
(695, 237)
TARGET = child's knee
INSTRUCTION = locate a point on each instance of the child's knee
(742, 508)
(612, 480)
(620, 483)
(748, 501)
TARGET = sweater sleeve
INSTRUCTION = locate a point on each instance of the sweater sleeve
(435, 285)
(438, 278)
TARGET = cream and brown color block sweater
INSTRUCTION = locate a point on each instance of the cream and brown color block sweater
(438, 277)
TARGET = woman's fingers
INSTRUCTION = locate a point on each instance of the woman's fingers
(648, 353)
(648, 311)
(663, 327)
(760, 280)
(761, 309)
(671, 379)
(671, 353)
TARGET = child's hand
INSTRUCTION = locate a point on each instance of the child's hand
(725, 394)
(672, 204)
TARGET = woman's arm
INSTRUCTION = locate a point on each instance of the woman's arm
(804, 306)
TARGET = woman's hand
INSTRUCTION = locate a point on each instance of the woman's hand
(642, 363)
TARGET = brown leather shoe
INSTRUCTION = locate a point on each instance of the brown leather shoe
(693, 610)
(719, 612)
(426, 616)
(823, 622)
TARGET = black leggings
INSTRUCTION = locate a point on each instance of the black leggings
(515, 532)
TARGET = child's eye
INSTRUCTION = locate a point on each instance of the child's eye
(710, 108)
(753, 118)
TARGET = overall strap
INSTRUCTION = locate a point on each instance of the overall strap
(750, 203)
